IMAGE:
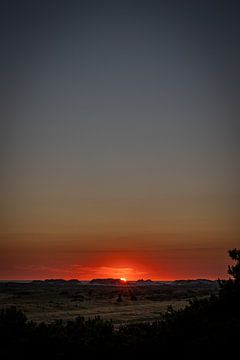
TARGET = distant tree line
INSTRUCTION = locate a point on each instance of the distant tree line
(206, 328)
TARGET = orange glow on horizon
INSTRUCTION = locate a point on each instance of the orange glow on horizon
(123, 279)
(165, 264)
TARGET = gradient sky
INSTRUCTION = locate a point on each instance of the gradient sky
(119, 138)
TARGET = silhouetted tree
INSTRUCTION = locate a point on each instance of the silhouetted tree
(234, 270)
(119, 299)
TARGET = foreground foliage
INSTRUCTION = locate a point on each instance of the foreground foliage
(207, 327)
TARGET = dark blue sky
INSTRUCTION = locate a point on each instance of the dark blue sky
(120, 118)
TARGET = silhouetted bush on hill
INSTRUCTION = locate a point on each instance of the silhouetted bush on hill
(205, 328)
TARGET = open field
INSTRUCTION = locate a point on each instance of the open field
(133, 302)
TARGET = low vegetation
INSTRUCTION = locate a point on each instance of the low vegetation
(50, 300)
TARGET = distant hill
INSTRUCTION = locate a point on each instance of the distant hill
(195, 281)
(108, 281)
(57, 281)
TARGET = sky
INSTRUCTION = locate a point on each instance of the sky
(119, 138)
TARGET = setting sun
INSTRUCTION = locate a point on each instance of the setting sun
(123, 279)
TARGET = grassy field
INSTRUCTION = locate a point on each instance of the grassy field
(49, 301)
